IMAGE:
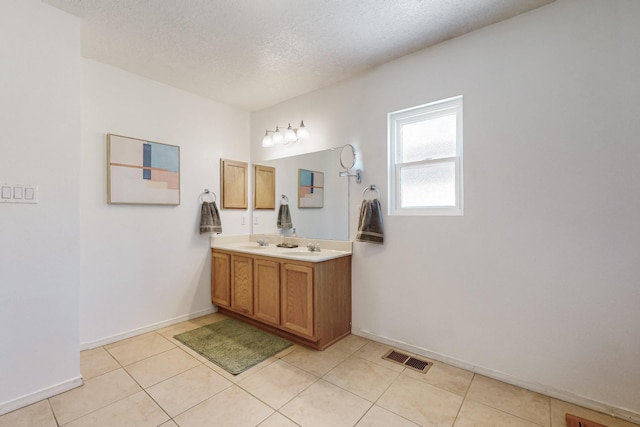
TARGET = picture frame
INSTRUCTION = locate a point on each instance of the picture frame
(141, 172)
(310, 189)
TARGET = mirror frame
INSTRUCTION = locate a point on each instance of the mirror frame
(353, 155)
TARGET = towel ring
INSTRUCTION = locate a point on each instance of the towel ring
(209, 193)
(371, 188)
(284, 199)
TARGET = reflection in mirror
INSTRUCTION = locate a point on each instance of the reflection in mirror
(264, 187)
(331, 221)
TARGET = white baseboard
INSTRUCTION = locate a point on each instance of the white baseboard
(538, 388)
(39, 395)
(138, 331)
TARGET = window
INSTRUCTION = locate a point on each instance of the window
(425, 159)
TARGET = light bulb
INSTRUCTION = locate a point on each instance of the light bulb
(267, 141)
(290, 135)
(303, 133)
(278, 138)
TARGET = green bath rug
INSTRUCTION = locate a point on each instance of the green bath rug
(233, 345)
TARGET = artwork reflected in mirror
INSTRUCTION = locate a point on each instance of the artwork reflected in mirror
(310, 189)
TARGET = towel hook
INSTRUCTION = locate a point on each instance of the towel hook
(371, 188)
(207, 193)
(284, 199)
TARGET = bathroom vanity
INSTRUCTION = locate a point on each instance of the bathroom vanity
(300, 295)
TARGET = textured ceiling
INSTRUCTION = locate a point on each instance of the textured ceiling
(252, 54)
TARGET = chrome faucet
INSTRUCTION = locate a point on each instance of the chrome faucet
(313, 248)
(264, 242)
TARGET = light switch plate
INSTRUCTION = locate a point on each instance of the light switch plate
(18, 193)
(6, 192)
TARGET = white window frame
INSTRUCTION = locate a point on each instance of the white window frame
(415, 114)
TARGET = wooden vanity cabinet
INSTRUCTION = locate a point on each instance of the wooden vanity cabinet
(308, 303)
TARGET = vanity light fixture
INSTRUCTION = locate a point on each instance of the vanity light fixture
(290, 135)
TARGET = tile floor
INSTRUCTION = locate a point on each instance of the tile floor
(153, 380)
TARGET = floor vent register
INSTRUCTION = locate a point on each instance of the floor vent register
(408, 361)
(575, 421)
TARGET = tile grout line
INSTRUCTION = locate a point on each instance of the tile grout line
(199, 403)
(231, 384)
(159, 406)
(284, 404)
(145, 358)
(505, 412)
(400, 373)
(101, 407)
(464, 398)
(55, 418)
(123, 367)
(385, 390)
(354, 354)
(151, 397)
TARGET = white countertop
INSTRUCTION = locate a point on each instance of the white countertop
(329, 249)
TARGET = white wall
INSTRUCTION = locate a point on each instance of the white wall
(537, 283)
(40, 85)
(145, 266)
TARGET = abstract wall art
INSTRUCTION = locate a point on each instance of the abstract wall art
(310, 189)
(142, 172)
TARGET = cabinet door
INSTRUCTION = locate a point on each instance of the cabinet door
(297, 299)
(266, 291)
(220, 279)
(242, 284)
